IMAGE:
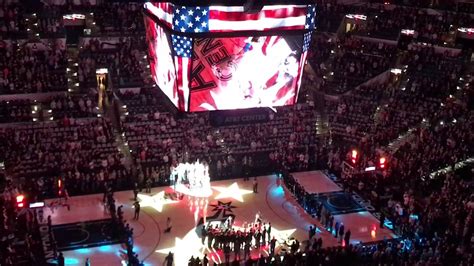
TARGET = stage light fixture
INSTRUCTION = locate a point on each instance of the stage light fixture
(20, 201)
(382, 162)
(354, 156)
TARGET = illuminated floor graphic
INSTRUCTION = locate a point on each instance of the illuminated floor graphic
(340, 203)
(231, 197)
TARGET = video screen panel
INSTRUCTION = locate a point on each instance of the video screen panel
(245, 72)
(160, 57)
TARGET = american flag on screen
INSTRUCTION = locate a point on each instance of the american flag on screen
(233, 18)
(310, 17)
(306, 45)
(182, 47)
(309, 25)
(162, 10)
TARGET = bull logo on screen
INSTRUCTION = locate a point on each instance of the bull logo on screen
(244, 72)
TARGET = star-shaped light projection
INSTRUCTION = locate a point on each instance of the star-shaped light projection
(156, 201)
(183, 249)
(232, 191)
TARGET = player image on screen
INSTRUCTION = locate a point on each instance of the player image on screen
(249, 72)
(161, 60)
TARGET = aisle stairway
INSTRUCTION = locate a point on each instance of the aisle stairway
(72, 71)
(32, 27)
(114, 112)
(322, 120)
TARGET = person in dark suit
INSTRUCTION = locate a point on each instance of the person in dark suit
(382, 219)
(331, 223)
(169, 259)
(258, 237)
(247, 250)
(341, 232)
(272, 246)
(135, 191)
(136, 206)
(61, 259)
(168, 225)
(203, 233)
(192, 261)
(347, 237)
(227, 253)
(236, 251)
(336, 229)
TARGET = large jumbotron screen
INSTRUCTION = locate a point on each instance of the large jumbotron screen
(199, 68)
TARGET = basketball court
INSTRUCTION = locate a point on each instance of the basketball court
(273, 203)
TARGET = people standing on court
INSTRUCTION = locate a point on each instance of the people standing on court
(136, 206)
(247, 250)
(168, 225)
(331, 223)
(341, 232)
(236, 250)
(255, 185)
(192, 261)
(336, 229)
(203, 233)
(258, 237)
(347, 237)
(227, 253)
(210, 238)
(135, 191)
(311, 232)
(272, 246)
(60, 259)
(169, 259)
(148, 185)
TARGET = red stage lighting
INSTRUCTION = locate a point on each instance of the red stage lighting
(60, 187)
(373, 232)
(382, 161)
(20, 201)
(354, 155)
(20, 198)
